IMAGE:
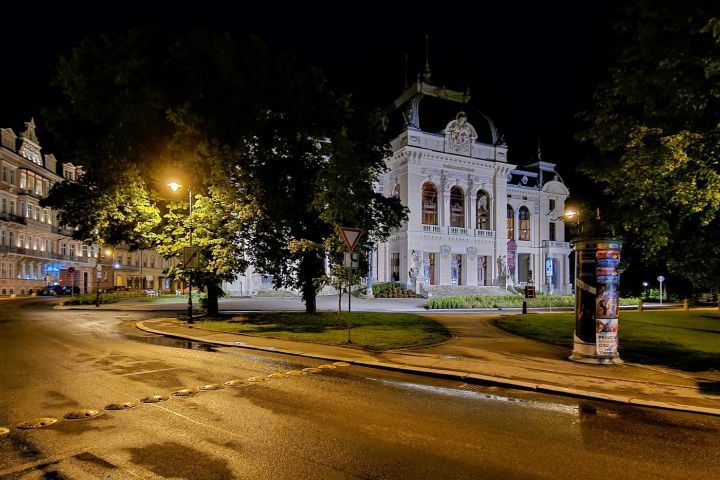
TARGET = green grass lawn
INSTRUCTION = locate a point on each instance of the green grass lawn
(369, 330)
(688, 340)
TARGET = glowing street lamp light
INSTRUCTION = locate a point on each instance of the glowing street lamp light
(98, 267)
(174, 186)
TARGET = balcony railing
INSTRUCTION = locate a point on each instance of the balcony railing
(12, 218)
(458, 231)
(433, 229)
(485, 233)
(28, 252)
(554, 244)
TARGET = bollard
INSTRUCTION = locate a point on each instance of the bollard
(640, 305)
(524, 307)
(685, 304)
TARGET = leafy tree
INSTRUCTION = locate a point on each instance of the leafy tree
(307, 171)
(655, 125)
(278, 161)
(216, 226)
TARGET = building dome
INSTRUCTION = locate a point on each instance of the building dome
(432, 109)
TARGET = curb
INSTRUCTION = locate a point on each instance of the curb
(467, 377)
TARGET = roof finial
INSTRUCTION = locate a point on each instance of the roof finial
(427, 73)
(539, 151)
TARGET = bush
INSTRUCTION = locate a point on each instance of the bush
(380, 287)
(90, 299)
(397, 292)
(509, 301)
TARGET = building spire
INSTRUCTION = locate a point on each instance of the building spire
(427, 73)
(539, 154)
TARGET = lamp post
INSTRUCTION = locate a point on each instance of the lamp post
(98, 268)
(174, 186)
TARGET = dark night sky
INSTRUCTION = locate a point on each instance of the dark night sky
(529, 65)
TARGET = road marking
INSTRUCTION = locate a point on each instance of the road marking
(151, 371)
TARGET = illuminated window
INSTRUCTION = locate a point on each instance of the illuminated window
(510, 223)
(457, 207)
(429, 204)
(524, 230)
(483, 210)
(395, 267)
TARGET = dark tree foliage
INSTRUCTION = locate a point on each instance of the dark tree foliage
(277, 160)
(656, 129)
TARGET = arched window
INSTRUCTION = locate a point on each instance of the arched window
(396, 191)
(510, 223)
(524, 227)
(457, 207)
(482, 203)
(429, 204)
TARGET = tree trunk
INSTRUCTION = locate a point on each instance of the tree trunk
(311, 267)
(310, 297)
(213, 293)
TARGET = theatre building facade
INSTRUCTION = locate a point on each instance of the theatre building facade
(475, 220)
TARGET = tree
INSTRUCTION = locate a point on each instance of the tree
(281, 161)
(308, 171)
(216, 226)
(655, 126)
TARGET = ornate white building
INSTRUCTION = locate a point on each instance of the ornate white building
(35, 251)
(475, 220)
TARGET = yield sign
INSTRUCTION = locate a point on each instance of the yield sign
(351, 236)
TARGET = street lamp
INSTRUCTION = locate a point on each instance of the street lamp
(174, 186)
(645, 285)
(98, 267)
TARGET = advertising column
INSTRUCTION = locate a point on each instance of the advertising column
(597, 281)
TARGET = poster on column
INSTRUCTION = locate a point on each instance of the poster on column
(607, 312)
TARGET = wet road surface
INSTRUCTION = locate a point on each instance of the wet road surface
(342, 422)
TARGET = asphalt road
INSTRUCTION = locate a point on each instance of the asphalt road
(346, 422)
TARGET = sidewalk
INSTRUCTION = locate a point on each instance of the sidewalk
(479, 353)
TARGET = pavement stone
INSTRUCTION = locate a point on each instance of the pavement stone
(478, 353)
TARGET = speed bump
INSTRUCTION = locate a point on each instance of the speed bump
(277, 375)
(211, 386)
(237, 383)
(4, 431)
(81, 414)
(341, 364)
(184, 392)
(295, 373)
(121, 406)
(258, 379)
(154, 399)
(327, 367)
(311, 370)
(37, 423)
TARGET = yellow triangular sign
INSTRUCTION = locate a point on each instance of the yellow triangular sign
(351, 236)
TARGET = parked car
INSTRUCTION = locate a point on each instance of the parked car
(66, 289)
(47, 291)
(120, 288)
(150, 292)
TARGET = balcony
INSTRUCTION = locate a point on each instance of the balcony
(469, 232)
(553, 244)
(433, 229)
(68, 232)
(458, 231)
(485, 233)
(9, 217)
(28, 252)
